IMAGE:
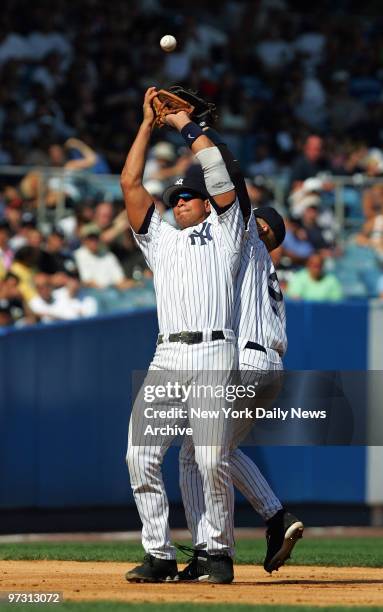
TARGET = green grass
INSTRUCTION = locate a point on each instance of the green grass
(362, 552)
(101, 606)
(342, 552)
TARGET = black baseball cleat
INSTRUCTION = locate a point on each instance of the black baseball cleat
(197, 568)
(220, 568)
(283, 532)
(153, 570)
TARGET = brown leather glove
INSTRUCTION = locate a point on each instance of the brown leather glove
(166, 103)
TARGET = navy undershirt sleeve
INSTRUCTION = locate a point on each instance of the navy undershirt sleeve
(148, 217)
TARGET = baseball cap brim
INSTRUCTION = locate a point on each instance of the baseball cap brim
(193, 182)
(171, 192)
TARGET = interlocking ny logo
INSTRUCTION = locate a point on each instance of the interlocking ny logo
(179, 181)
(204, 234)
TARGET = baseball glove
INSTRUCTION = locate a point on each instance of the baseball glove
(203, 112)
(166, 103)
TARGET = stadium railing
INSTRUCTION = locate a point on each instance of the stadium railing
(344, 197)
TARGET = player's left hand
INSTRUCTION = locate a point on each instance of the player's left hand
(148, 112)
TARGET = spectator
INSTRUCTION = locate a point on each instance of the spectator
(74, 156)
(314, 232)
(163, 165)
(371, 234)
(6, 253)
(73, 301)
(264, 163)
(310, 163)
(23, 231)
(296, 248)
(373, 162)
(259, 192)
(10, 291)
(83, 157)
(60, 305)
(310, 104)
(61, 156)
(373, 201)
(71, 225)
(12, 215)
(311, 43)
(25, 266)
(314, 284)
(273, 51)
(56, 259)
(290, 74)
(98, 267)
(35, 238)
(345, 111)
(5, 314)
(103, 215)
(115, 234)
(13, 46)
(46, 39)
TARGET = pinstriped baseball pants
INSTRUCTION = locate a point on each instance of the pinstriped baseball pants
(211, 448)
(245, 474)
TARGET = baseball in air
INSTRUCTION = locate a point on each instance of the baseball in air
(168, 43)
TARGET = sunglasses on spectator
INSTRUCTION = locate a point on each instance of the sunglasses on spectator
(185, 196)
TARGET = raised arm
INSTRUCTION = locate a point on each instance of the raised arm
(234, 170)
(217, 179)
(138, 201)
(88, 159)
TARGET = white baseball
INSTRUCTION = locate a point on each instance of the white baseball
(168, 43)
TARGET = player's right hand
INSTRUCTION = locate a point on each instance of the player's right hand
(177, 120)
(148, 112)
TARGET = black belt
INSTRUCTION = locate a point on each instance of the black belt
(190, 337)
(255, 346)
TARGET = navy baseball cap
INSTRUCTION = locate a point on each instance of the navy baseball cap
(274, 220)
(193, 182)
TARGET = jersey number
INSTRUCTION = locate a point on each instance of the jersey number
(274, 291)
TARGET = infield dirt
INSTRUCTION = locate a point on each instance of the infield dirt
(317, 586)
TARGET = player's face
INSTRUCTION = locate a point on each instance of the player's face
(190, 210)
(266, 234)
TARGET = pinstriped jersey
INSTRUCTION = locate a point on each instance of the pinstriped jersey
(259, 310)
(194, 270)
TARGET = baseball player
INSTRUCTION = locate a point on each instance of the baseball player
(194, 275)
(259, 324)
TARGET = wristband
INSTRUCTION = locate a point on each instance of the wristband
(190, 132)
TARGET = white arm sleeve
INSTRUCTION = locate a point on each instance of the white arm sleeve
(215, 173)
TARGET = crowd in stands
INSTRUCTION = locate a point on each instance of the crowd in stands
(299, 97)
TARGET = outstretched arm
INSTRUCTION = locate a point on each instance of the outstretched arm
(234, 170)
(138, 201)
(89, 156)
(224, 194)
